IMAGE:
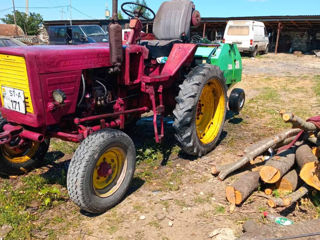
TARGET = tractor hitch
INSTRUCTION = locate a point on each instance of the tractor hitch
(10, 132)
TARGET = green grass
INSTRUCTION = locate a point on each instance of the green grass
(316, 88)
(15, 204)
(220, 210)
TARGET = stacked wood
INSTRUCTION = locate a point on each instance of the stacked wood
(288, 200)
(277, 167)
(289, 182)
(298, 150)
(242, 188)
(225, 170)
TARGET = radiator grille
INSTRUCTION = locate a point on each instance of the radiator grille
(13, 73)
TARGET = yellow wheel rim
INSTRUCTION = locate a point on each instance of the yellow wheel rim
(109, 171)
(210, 111)
(20, 154)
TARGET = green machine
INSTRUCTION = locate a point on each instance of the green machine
(227, 57)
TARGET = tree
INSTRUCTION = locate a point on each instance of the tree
(120, 16)
(146, 14)
(30, 24)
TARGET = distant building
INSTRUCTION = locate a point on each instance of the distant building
(296, 33)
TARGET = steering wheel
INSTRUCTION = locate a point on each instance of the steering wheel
(137, 10)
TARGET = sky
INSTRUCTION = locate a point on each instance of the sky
(95, 9)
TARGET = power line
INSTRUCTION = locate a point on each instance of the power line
(45, 7)
(82, 13)
(3, 10)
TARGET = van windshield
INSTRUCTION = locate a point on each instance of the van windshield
(93, 30)
(238, 31)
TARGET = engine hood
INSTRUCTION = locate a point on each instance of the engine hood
(60, 58)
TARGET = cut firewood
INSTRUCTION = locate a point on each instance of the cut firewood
(242, 188)
(288, 200)
(277, 166)
(268, 191)
(289, 182)
(310, 174)
(309, 165)
(216, 169)
(227, 169)
(264, 141)
(298, 122)
(305, 155)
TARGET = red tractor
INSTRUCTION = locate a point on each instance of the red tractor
(88, 93)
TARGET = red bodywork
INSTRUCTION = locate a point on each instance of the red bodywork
(61, 67)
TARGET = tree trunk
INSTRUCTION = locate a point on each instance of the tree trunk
(298, 122)
(226, 170)
(242, 188)
(289, 182)
(277, 166)
(288, 200)
(308, 163)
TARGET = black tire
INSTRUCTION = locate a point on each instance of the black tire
(185, 113)
(80, 175)
(29, 157)
(236, 100)
(254, 52)
(33, 153)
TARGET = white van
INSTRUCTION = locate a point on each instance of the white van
(250, 36)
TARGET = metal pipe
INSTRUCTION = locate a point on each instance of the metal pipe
(37, 137)
(92, 118)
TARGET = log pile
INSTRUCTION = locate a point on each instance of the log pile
(291, 167)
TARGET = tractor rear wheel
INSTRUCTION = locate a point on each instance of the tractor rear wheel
(201, 110)
(19, 159)
(101, 170)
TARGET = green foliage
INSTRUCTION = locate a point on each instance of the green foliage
(146, 14)
(17, 202)
(276, 193)
(120, 16)
(220, 210)
(30, 24)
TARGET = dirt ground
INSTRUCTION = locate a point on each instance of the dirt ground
(175, 197)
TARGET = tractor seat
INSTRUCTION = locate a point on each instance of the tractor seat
(171, 24)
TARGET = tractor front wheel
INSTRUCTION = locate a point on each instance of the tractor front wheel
(101, 170)
(201, 109)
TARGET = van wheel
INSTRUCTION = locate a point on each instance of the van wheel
(255, 52)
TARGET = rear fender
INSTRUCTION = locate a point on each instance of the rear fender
(180, 55)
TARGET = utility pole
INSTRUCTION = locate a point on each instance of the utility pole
(62, 14)
(14, 17)
(27, 7)
(70, 10)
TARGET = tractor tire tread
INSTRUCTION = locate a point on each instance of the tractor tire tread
(186, 102)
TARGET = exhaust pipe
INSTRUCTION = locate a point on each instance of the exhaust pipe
(36, 137)
(115, 39)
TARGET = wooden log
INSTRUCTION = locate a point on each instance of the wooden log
(242, 188)
(268, 191)
(277, 166)
(225, 171)
(310, 174)
(309, 165)
(305, 155)
(289, 182)
(298, 122)
(288, 200)
(264, 141)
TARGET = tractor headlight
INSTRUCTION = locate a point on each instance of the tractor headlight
(59, 96)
